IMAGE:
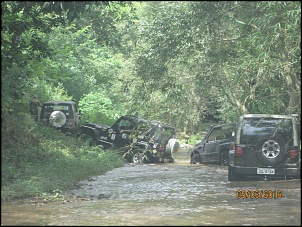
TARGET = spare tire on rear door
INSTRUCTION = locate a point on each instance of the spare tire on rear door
(172, 148)
(271, 151)
(57, 119)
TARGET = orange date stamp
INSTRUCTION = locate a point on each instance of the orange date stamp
(258, 194)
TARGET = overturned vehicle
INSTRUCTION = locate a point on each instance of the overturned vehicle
(137, 139)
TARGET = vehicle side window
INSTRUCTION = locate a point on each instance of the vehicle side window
(221, 133)
(228, 131)
(67, 110)
(156, 135)
(154, 132)
(214, 134)
(125, 124)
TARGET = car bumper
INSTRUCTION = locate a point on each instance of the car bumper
(279, 172)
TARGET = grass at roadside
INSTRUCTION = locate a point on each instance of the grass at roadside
(47, 179)
(39, 161)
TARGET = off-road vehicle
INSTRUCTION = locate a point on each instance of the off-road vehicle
(137, 139)
(266, 147)
(63, 115)
(214, 147)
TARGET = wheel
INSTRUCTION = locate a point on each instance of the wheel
(232, 176)
(270, 151)
(224, 158)
(57, 119)
(195, 159)
(137, 158)
(149, 157)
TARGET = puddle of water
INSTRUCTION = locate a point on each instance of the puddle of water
(165, 194)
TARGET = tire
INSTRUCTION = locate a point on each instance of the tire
(137, 158)
(57, 119)
(195, 159)
(271, 151)
(224, 158)
(171, 148)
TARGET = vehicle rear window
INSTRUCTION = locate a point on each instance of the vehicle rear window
(254, 129)
(66, 109)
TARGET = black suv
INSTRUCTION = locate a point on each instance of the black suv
(63, 115)
(215, 146)
(266, 147)
(139, 140)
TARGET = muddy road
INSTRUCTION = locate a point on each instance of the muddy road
(167, 194)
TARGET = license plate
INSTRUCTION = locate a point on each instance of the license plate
(265, 171)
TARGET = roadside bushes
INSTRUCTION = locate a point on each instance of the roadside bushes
(38, 159)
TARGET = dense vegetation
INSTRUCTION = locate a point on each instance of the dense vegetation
(37, 160)
(185, 63)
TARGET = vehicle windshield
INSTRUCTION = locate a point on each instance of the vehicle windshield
(125, 123)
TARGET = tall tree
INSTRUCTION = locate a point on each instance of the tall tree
(237, 53)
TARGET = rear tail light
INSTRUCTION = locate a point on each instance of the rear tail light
(293, 153)
(238, 151)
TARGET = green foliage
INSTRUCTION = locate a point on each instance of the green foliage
(233, 52)
(97, 107)
(47, 91)
(14, 85)
(184, 63)
(38, 159)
